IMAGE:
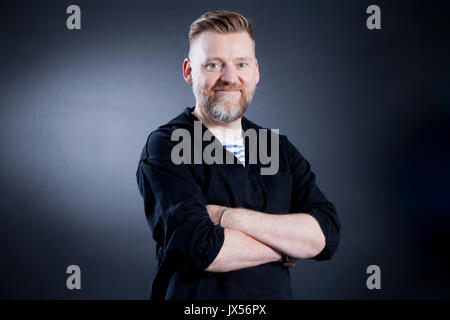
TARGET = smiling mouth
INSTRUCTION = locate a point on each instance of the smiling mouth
(225, 91)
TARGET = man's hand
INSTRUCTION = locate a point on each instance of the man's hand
(291, 263)
(215, 212)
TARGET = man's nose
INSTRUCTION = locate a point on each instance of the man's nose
(229, 74)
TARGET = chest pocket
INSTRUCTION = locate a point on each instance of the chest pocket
(277, 190)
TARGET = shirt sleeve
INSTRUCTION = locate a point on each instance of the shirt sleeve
(175, 208)
(308, 198)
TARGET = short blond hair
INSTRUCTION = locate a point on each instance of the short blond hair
(221, 21)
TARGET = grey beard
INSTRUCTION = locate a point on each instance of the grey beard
(217, 111)
(220, 113)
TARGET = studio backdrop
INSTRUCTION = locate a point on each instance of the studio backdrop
(368, 107)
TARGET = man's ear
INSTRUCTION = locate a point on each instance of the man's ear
(187, 71)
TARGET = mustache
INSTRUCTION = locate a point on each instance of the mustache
(228, 88)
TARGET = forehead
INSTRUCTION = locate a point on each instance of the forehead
(225, 45)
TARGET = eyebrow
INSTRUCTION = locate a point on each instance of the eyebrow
(219, 58)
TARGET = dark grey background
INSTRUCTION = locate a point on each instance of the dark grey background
(368, 109)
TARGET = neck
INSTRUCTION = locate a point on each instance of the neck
(232, 129)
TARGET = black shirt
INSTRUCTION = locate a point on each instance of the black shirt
(187, 241)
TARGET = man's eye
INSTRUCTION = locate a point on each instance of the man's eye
(243, 65)
(212, 66)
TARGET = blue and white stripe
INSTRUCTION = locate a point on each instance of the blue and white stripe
(238, 149)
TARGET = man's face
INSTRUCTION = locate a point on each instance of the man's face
(223, 72)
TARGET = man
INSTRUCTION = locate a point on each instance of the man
(226, 231)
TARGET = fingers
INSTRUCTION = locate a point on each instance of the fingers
(214, 212)
(291, 263)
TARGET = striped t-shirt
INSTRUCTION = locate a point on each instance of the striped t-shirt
(236, 147)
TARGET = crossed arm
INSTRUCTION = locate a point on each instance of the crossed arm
(253, 238)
